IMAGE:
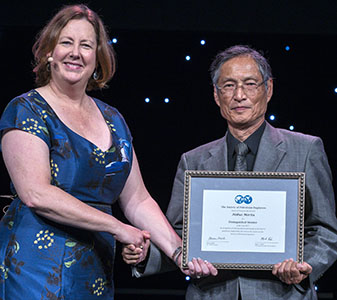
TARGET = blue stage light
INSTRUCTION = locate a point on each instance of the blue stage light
(291, 127)
(188, 57)
(114, 41)
(166, 100)
(272, 117)
(336, 90)
(147, 100)
(287, 48)
(187, 278)
(202, 42)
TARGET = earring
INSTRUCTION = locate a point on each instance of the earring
(95, 75)
(49, 61)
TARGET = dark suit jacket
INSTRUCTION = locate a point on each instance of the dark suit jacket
(279, 151)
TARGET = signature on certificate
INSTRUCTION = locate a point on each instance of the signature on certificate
(213, 241)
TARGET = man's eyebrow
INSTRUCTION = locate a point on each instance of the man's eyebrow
(236, 80)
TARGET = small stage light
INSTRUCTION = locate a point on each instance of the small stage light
(291, 127)
(202, 42)
(147, 100)
(187, 278)
(188, 57)
(287, 48)
(113, 41)
(272, 117)
(336, 90)
(166, 100)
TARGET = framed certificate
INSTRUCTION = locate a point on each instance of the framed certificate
(243, 220)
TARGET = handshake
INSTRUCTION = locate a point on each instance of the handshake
(197, 268)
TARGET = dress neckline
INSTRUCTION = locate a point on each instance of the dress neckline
(74, 132)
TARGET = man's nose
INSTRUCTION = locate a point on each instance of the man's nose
(239, 93)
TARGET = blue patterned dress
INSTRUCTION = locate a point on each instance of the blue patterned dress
(40, 259)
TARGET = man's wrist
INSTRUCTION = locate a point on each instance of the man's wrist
(176, 254)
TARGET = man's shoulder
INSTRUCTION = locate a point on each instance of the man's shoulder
(206, 148)
(296, 137)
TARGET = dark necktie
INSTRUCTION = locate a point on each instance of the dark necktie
(241, 150)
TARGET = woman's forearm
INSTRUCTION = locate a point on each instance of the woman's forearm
(148, 216)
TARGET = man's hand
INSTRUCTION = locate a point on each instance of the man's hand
(198, 268)
(292, 272)
(133, 255)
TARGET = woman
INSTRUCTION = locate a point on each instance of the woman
(70, 157)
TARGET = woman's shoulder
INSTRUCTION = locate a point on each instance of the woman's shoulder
(114, 118)
(27, 112)
(29, 99)
(107, 109)
(109, 112)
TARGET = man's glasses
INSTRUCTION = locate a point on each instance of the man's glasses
(249, 88)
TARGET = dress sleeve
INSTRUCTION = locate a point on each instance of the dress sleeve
(24, 114)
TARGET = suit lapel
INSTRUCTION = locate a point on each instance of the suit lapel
(217, 160)
(270, 153)
(271, 150)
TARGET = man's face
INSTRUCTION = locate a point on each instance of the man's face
(242, 109)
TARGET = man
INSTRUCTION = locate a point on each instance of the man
(243, 86)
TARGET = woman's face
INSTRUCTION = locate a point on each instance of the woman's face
(74, 56)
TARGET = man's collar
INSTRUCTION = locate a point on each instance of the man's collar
(252, 141)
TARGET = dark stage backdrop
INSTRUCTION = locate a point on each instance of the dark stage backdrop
(152, 45)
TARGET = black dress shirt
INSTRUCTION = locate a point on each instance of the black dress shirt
(252, 142)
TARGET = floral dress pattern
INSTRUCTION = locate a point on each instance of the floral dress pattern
(41, 259)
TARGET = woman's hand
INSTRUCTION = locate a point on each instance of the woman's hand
(127, 234)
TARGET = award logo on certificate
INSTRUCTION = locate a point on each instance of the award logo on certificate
(243, 220)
